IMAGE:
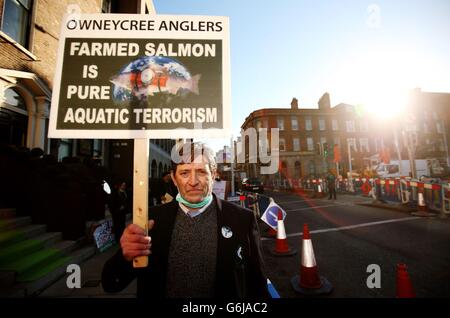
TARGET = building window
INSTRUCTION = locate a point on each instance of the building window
(296, 144)
(280, 123)
(364, 144)
(263, 142)
(430, 145)
(258, 125)
(322, 124)
(308, 124)
(425, 128)
(352, 143)
(14, 101)
(310, 143)
(16, 20)
(160, 172)
(323, 140)
(154, 169)
(65, 149)
(298, 169)
(294, 123)
(378, 144)
(334, 124)
(350, 125)
(312, 167)
(439, 128)
(337, 141)
(97, 147)
(364, 126)
(441, 144)
(282, 144)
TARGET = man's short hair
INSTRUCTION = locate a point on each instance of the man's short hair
(189, 152)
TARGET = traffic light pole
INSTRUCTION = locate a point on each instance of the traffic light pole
(323, 155)
(337, 174)
(399, 154)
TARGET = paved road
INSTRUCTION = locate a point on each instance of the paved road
(347, 237)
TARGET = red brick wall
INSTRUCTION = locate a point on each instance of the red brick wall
(45, 36)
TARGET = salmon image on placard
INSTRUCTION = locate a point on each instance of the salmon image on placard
(148, 76)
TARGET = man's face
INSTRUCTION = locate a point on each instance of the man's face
(194, 180)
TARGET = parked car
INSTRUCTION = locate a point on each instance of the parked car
(252, 185)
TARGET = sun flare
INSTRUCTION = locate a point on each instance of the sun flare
(379, 80)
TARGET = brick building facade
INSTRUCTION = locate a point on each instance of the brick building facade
(303, 130)
(28, 49)
(29, 39)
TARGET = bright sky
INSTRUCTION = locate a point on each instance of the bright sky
(361, 52)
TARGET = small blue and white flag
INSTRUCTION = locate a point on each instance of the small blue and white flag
(270, 216)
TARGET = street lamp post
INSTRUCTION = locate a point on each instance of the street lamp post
(408, 138)
(350, 166)
(444, 131)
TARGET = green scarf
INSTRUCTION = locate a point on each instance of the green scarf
(198, 205)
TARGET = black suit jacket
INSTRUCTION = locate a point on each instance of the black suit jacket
(238, 274)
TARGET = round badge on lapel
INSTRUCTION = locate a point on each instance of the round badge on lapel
(226, 232)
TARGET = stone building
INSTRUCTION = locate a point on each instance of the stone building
(304, 132)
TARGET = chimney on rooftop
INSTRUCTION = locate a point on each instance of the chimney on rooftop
(294, 103)
(324, 102)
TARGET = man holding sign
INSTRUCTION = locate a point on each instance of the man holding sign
(198, 245)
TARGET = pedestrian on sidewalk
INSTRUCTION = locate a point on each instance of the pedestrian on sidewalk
(198, 244)
(331, 180)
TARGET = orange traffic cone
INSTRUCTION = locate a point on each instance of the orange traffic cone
(404, 285)
(242, 200)
(309, 282)
(281, 245)
(320, 193)
(422, 206)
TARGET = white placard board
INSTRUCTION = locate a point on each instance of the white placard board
(139, 76)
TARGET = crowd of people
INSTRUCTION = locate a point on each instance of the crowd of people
(65, 195)
(62, 195)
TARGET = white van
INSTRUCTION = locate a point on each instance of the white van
(396, 169)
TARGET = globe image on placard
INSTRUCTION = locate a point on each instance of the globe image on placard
(151, 75)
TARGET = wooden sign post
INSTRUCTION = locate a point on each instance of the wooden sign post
(141, 157)
(140, 190)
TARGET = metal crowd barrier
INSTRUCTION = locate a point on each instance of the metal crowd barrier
(391, 190)
(406, 191)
